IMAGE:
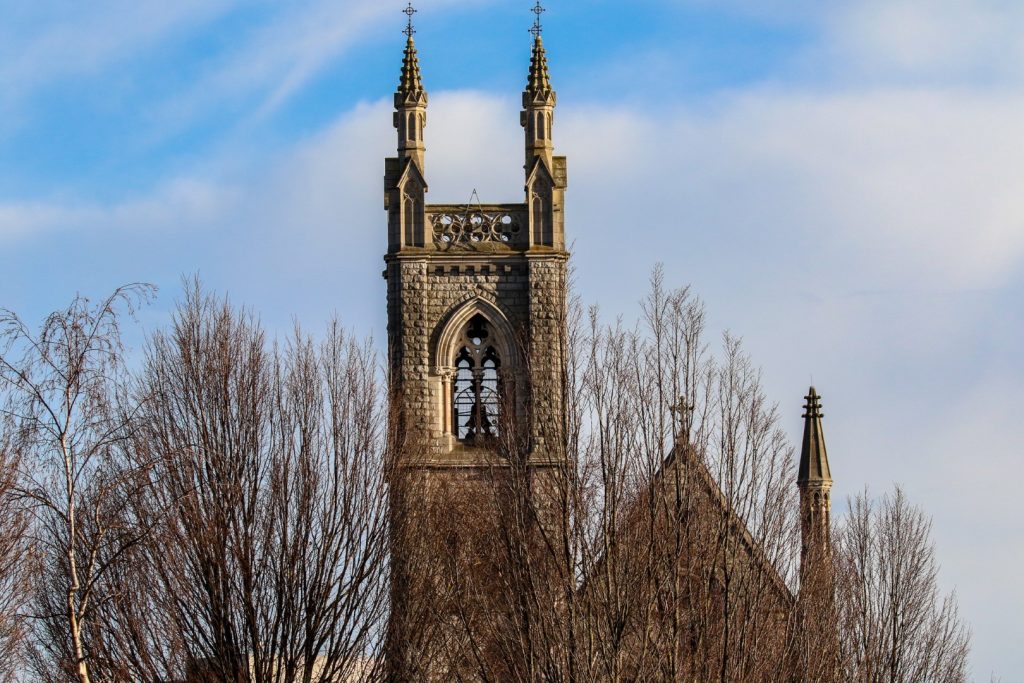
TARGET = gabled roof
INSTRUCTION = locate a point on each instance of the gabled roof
(688, 458)
(537, 169)
(410, 171)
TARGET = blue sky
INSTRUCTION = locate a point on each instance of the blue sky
(840, 181)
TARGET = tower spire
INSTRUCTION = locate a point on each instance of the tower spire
(539, 100)
(538, 85)
(411, 99)
(545, 173)
(815, 482)
(817, 609)
(813, 456)
(410, 86)
(404, 183)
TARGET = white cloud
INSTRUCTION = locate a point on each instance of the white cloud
(917, 189)
(178, 205)
(43, 42)
(929, 38)
(896, 41)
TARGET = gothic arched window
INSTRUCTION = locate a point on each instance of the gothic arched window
(476, 387)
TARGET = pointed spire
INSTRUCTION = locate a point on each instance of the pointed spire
(813, 456)
(538, 86)
(410, 116)
(410, 91)
(539, 100)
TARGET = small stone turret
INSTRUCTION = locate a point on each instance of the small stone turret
(818, 635)
(539, 101)
(546, 175)
(411, 107)
(815, 482)
(404, 184)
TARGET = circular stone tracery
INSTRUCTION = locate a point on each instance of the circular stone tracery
(475, 226)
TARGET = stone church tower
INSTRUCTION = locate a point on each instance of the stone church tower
(476, 297)
(476, 328)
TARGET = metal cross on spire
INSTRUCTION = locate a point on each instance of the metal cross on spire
(537, 29)
(683, 411)
(409, 11)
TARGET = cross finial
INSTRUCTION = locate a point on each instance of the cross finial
(409, 11)
(537, 28)
(683, 410)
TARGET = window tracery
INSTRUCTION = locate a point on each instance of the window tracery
(476, 386)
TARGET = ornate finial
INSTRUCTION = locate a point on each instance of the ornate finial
(538, 86)
(409, 30)
(812, 408)
(813, 456)
(537, 28)
(410, 87)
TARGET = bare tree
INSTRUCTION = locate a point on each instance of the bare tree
(662, 549)
(64, 419)
(14, 584)
(267, 559)
(226, 516)
(896, 626)
(691, 560)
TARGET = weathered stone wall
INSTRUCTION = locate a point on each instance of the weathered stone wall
(530, 292)
(447, 498)
(547, 314)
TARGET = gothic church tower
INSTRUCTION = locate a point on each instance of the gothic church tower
(476, 327)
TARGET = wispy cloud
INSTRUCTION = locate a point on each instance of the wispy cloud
(897, 41)
(44, 42)
(274, 59)
(262, 55)
(176, 206)
(933, 40)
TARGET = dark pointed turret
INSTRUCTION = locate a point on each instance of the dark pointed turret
(819, 639)
(815, 482)
(813, 456)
